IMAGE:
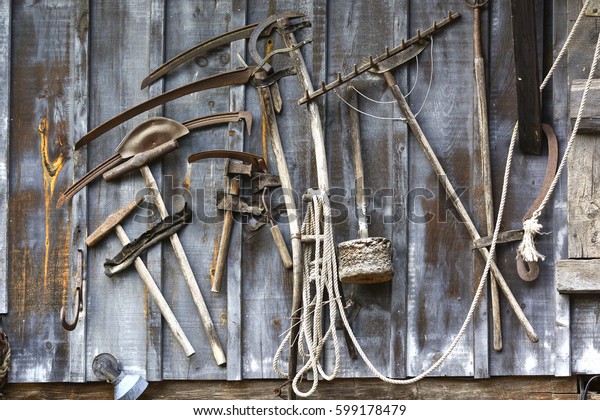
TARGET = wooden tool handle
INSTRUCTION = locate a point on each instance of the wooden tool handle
(224, 243)
(281, 247)
(188, 274)
(140, 159)
(158, 297)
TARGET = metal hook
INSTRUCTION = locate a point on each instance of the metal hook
(528, 271)
(278, 391)
(70, 326)
(476, 3)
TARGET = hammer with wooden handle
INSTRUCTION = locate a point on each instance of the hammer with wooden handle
(175, 131)
(113, 222)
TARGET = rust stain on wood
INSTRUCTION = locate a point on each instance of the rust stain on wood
(187, 182)
(51, 168)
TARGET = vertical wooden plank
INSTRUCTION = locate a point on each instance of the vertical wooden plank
(154, 351)
(267, 286)
(439, 257)
(399, 214)
(47, 72)
(187, 24)
(5, 62)
(350, 40)
(117, 306)
(578, 313)
(237, 102)
(562, 336)
(78, 210)
(519, 356)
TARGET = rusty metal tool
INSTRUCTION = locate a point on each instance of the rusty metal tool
(113, 223)
(484, 148)
(142, 129)
(78, 307)
(224, 40)
(157, 141)
(443, 178)
(229, 78)
(160, 231)
(233, 172)
(529, 271)
(372, 62)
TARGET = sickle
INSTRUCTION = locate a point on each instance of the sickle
(168, 130)
(530, 271)
(229, 78)
(207, 46)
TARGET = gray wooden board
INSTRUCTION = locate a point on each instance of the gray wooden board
(154, 346)
(577, 276)
(267, 286)
(433, 261)
(5, 53)
(585, 350)
(117, 306)
(43, 118)
(562, 342)
(350, 40)
(184, 29)
(519, 356)
(439, 256)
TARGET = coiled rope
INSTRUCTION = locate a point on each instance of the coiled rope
(4, 359)
(321, 271)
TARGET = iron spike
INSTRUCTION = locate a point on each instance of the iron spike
(387, 51)
(371, 62)
(339, 77)
(355, 69)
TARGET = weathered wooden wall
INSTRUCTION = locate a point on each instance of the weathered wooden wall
(73, 65)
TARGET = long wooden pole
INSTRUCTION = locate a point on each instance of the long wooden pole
(443, 178)
(484, 147)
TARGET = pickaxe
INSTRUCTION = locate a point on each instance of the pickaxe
(113, 223)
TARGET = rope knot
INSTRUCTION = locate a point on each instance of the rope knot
(527, 248)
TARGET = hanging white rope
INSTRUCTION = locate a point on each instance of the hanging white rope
(321, 271)
(531, 226)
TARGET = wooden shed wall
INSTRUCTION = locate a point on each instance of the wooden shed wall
(70, 65)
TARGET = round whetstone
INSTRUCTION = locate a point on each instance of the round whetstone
(365, 261)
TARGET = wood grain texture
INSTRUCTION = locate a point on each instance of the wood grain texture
(518, 388)
(44, 117)
(186, 25)
(439, 256)
(519, 356)
(350, 40)
(577, 276)
(117, 307)
(561, 24)
(5, 65)
(57, 61)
